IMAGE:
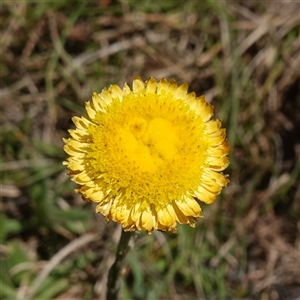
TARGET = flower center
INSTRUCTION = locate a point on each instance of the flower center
(148, 144)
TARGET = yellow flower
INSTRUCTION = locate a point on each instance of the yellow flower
(146, 156)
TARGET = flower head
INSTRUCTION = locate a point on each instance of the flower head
(146, 156)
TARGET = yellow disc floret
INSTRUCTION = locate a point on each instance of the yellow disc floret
(147, 155)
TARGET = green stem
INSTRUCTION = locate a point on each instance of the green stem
(113, 285)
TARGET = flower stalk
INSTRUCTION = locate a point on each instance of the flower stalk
(113, 282)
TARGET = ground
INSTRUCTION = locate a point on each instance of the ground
(242, 55)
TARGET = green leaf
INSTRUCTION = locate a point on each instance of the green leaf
(51, 287)
(16, 256)
(8, 226)
(7, 291)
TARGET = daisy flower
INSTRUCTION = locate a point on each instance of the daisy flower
(148, 155)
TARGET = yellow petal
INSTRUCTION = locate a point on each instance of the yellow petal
(151, 85)
(81, 123)
(138, 85)
(212, 126)
(189, 207)
(116, 91)
(97, 102)
(204, 195)
(163, 86)
(146, 221)
(106, 97)
(181, 91)
(78, 135)
(90, 111)
(166, 216)
(104, 208)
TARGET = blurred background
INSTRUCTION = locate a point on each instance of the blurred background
(242, 55)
